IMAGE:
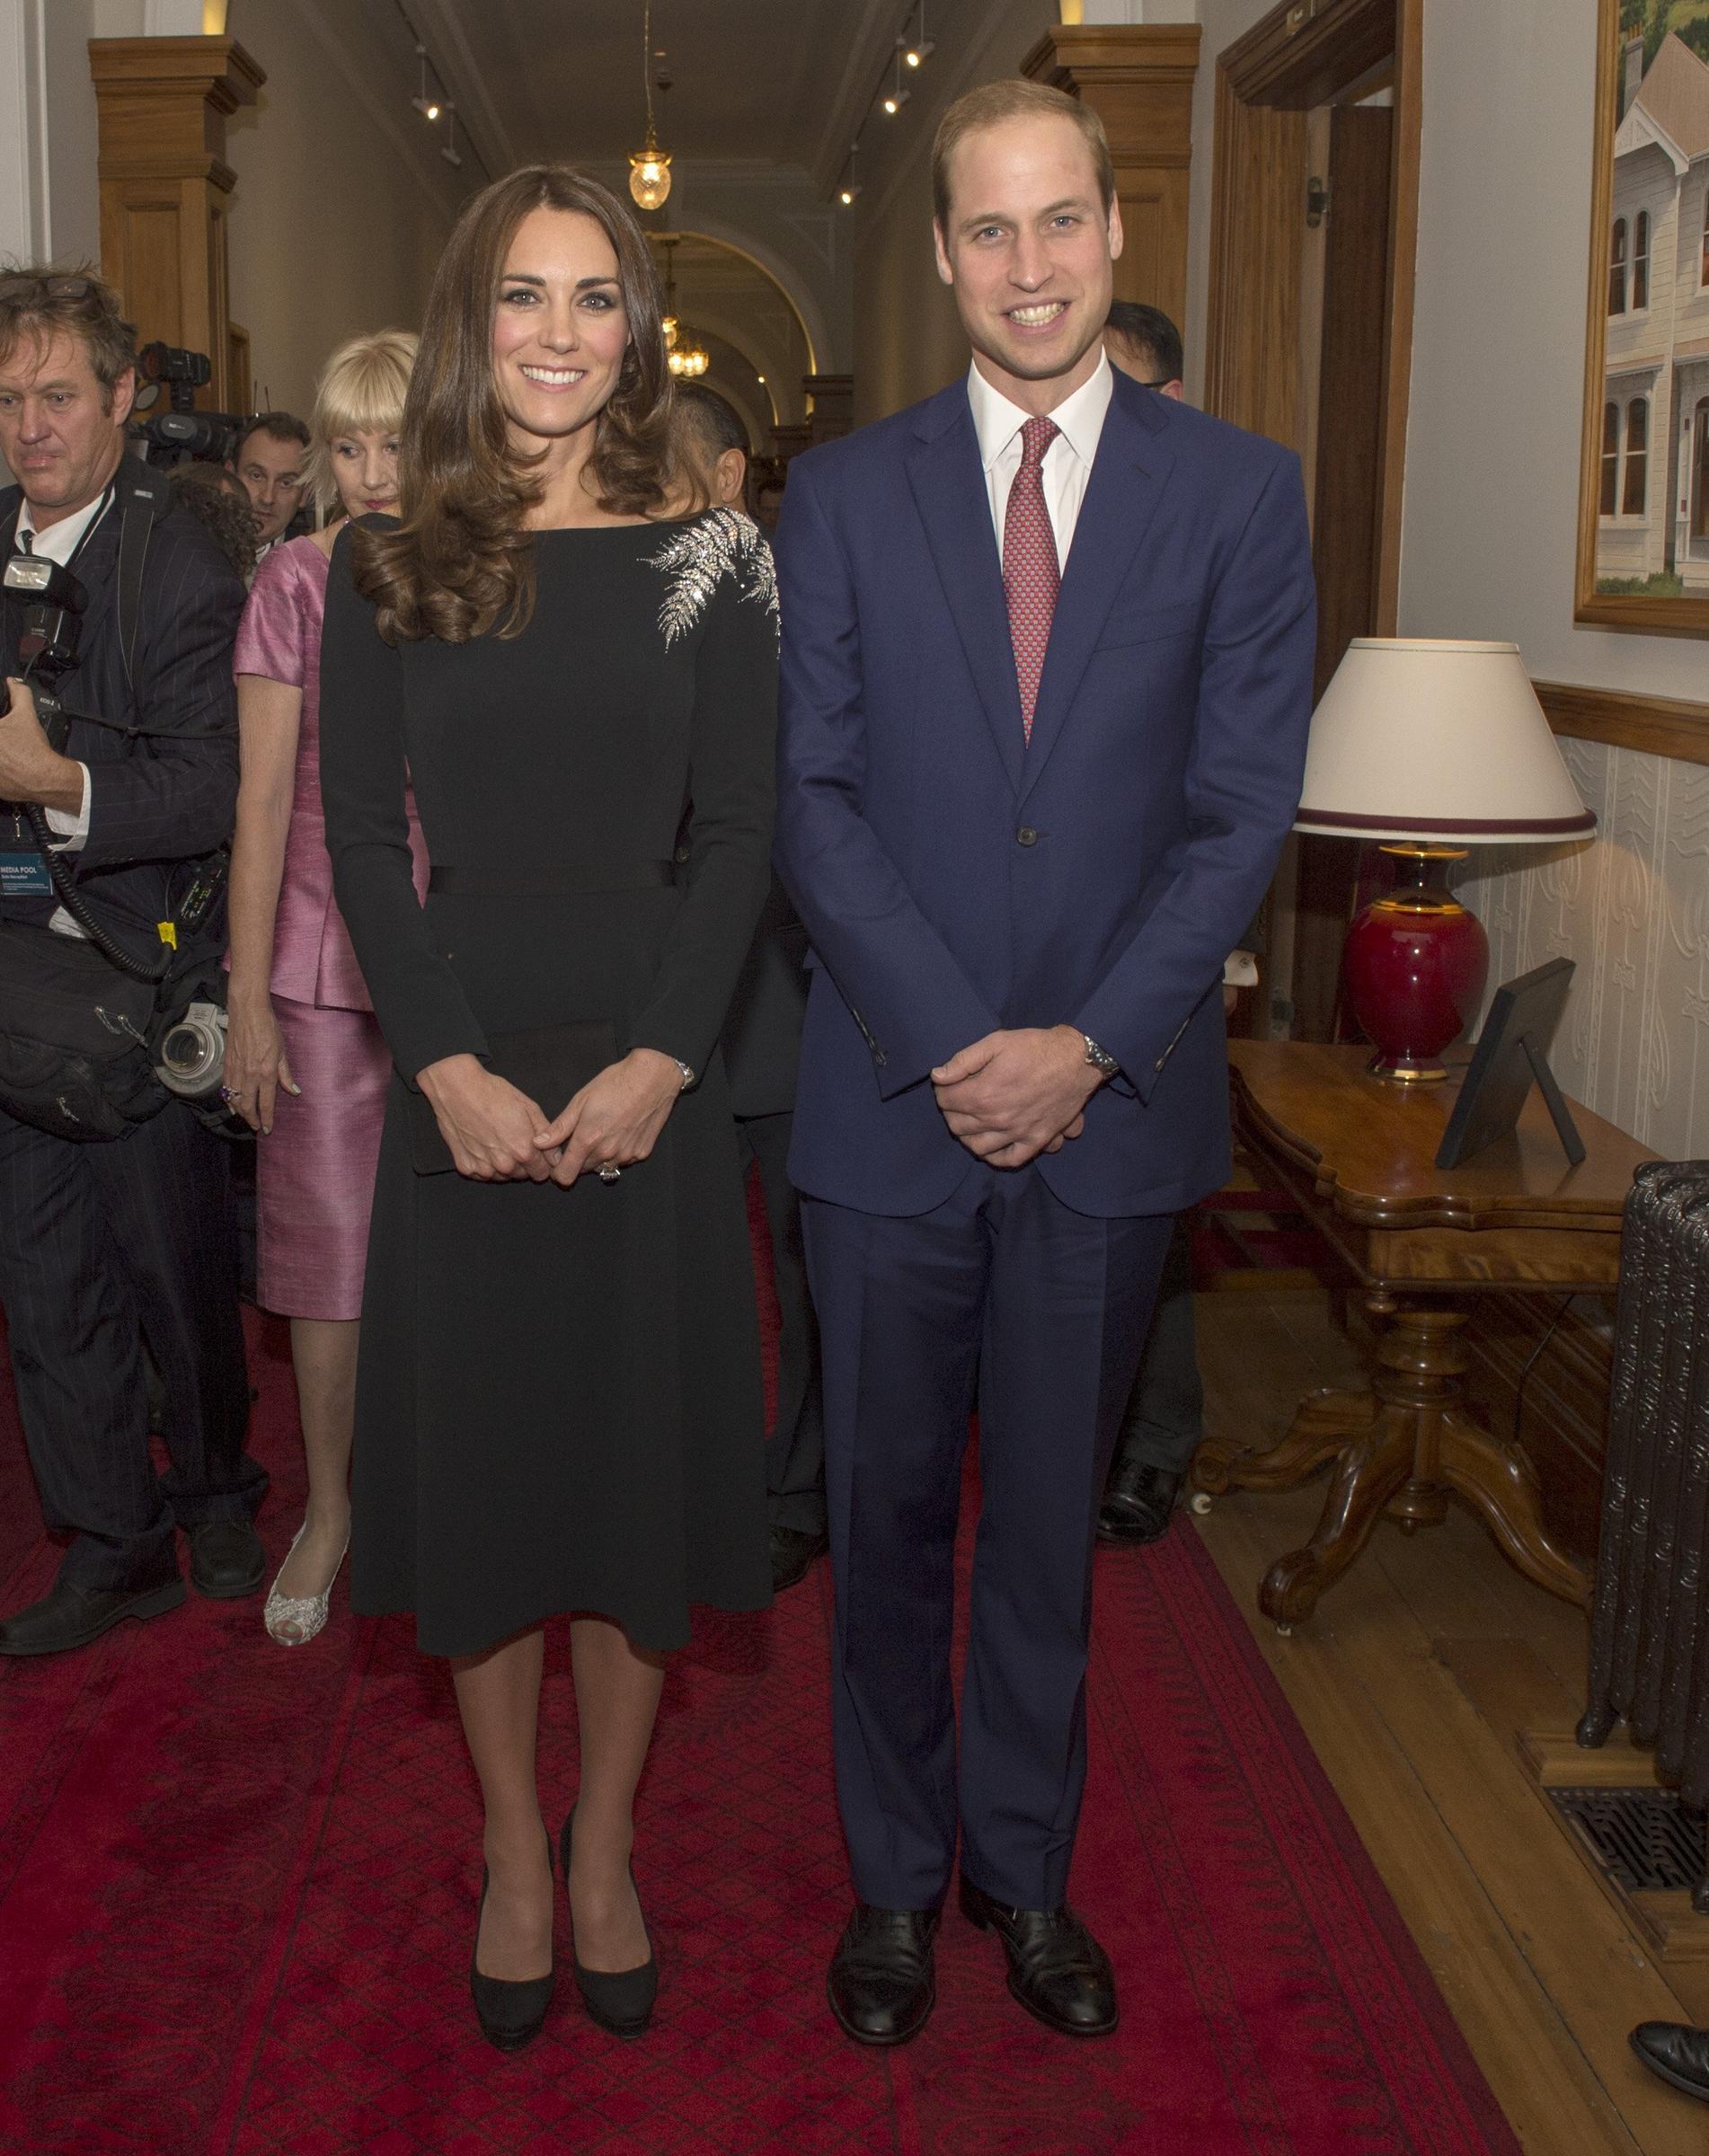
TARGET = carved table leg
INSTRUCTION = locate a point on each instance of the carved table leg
(1501, 1485)
(1404, 1448)
(1369, 1473)
(1326, 1423)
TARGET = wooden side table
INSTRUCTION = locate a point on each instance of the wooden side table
(1355, 1153)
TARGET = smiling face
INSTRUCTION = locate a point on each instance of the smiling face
(363, 468)
(558, 328)
(61, 433)
(1028, 249)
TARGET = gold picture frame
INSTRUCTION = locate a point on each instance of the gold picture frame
(1643, 489)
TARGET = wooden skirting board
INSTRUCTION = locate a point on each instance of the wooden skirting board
(1661, 726)
(1666, 1922)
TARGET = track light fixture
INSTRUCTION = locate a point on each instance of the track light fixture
(898, 92)
(449, 152)
(916, 53)
(428, 107)
(851, 186)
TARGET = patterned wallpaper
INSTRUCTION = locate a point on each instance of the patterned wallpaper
(1632, 908)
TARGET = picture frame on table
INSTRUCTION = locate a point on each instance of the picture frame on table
(1644, 490)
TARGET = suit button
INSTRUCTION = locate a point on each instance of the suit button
(682, 857)
(1026, 837)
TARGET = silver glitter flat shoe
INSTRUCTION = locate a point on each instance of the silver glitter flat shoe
(293, 1619)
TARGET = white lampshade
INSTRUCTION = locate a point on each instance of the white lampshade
(1426, 739)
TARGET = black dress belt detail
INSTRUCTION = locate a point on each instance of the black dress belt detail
(550, 883)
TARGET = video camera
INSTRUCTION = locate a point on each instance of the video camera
(181, 435)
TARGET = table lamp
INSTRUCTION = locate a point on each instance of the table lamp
(1430, 747)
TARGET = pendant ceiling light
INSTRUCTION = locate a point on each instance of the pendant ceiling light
(686, 356)
(649, 167)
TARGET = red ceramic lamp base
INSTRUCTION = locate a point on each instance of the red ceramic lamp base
(1416, 962)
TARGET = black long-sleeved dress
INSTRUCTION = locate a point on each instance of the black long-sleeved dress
(558, 1399)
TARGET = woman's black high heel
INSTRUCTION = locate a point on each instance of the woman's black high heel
(511, 2015)
(619, 2000)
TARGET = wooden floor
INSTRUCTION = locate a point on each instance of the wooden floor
(1411, 1683)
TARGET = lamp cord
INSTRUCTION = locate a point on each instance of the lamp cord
(646, 67)
(1562, 1308)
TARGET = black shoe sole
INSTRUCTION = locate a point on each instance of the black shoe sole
(1666, 2073)
(980, 1923)
(155, 1603)
(875, 2043)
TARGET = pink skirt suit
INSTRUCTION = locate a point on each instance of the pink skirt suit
(315, 1173)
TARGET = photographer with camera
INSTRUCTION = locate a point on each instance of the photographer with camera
(115, 1226)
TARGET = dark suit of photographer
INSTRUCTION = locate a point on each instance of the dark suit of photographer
(107, 1244)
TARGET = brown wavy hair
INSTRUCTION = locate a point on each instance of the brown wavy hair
(461, 560)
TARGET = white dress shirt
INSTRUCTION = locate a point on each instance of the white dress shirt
(57, 544)
(1067, 462)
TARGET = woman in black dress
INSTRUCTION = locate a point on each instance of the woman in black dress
(559, 1399)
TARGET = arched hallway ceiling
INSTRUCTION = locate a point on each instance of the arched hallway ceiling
(757, 122)
(754, 81)
(724, 294)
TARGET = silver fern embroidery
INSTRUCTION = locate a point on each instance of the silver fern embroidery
(721, 544)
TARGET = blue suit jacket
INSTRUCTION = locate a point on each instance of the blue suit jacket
(955, 878)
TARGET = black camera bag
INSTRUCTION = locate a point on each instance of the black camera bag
(82, 1070)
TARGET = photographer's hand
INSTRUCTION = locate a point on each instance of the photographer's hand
(30, 769)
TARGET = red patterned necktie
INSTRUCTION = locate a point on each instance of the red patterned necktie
(1030, 573)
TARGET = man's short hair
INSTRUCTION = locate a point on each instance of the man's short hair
(1014, 98)
(282, 425)
(712, 421)
(37, 303)
(1149, 332)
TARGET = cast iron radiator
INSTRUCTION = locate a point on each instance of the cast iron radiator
(1650, 1629)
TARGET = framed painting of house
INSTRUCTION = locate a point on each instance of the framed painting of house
(1643, 507)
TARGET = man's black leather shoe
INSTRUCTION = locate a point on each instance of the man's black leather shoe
(792, 1552)
(1139, 1503)
(881, 1985)
(227, 1559)
(1678, 2053)
(69, 1616)
(1056, 1970)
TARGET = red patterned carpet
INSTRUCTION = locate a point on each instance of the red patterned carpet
(236, 1895)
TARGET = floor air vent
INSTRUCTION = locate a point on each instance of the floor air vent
(1641, 1837)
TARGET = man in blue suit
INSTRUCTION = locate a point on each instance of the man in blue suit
(1046, 668)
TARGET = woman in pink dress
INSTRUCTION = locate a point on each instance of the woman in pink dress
(306, 1065)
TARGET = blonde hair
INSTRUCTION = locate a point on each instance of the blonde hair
(362, 388)
(1014, 98)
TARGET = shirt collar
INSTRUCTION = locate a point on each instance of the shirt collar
(60, 541)
(1079, 419)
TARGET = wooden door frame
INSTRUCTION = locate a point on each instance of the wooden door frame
(1303, 54)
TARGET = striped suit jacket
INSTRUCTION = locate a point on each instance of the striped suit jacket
(160, 799)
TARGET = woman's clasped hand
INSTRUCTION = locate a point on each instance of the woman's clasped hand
(497, 1134)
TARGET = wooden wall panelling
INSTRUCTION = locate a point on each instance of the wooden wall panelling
(1139, 79)
(162, 105)
(1257, 208)
(1658, 726)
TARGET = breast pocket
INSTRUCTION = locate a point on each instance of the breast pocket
(1147, 625)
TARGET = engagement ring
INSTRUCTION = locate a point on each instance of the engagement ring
(610, 1172)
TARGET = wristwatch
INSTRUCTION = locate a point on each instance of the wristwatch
(1101, 1059)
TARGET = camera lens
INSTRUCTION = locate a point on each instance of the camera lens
(191, 1056)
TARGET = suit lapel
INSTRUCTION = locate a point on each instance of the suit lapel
(1129, 476)
(948, 489)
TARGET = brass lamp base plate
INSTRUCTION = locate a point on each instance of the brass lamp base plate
(1412, 1073)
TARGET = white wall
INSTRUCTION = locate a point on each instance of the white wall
(342, 205)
